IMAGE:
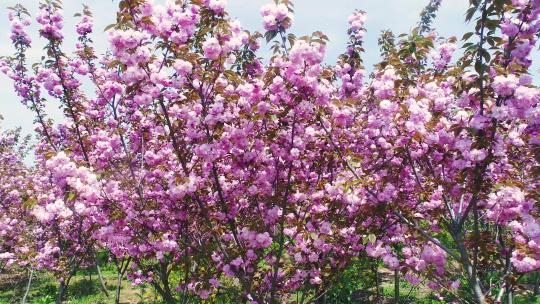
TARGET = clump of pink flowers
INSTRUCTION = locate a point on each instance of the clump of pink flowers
(276, 17)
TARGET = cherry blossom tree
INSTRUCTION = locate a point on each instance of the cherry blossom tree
(448, 153)
(207, 172)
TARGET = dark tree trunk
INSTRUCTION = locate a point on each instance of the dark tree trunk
(536, 283)
(164, 291)
(118, 288)
(396, 286)
(61, 293)
(377, 282)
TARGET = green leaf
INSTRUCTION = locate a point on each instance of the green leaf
(30, 203)
(485, 54)
(467, 36)
(479, 67)
(372, 238)
(270, 35)
(470, 13)
(108, 27)
(292, 39)
(71, 196)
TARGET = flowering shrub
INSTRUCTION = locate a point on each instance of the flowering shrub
(208, 170)
(15, 241)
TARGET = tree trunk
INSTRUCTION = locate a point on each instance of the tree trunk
(101, 281)
(121, 270)
(478, 293)
(377, 282)
(165, 291)
(466, 264)
(168, 294)
(536, 283)
(118, 288)
(396, 286)
(61, 292)
(165, 294)
(28, 285)
(510, 296)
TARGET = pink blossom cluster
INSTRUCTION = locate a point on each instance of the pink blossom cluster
(505, 85)
(217, 6)
(212, 48)
(14, 188)
(18, 31)
(443, 55)
(51, 21)
(276, 17)
(84, 27)
(356, 24)
(173, 21)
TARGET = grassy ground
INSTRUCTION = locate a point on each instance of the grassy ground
(84, 289)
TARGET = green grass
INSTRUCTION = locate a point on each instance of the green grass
(527, 300)
(82, 290)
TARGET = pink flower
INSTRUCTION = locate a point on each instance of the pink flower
(433, 255)
(85, 26)
(520, 3)
(356, 23)
(211, 48)
(505, 85)
(276, 16)
(218, 6)
(315, 280)
(313, 257)
(524, 263)
(264, 240)
(391, 261)
(477, 155)
(443, 55)
(237, 262)
(455, 284)
(183, 67)
(509, 28)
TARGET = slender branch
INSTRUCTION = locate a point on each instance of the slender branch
(426, 235)
(28, 285)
